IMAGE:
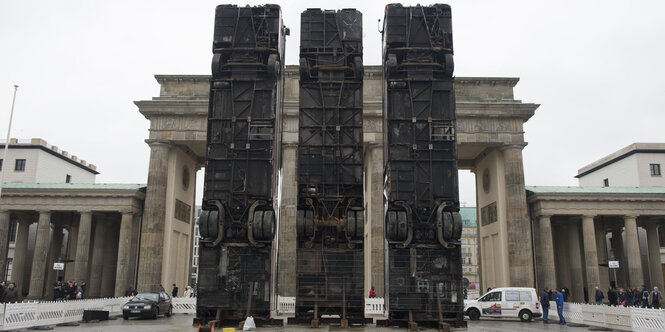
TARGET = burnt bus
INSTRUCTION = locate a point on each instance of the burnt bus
(238, 221)
(422, 222)
(330, 214)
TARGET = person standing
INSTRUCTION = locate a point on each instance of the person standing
(372, 294)
(645, 297)
(188, 291)
(130, 291)
(655, 298)
(545, 303)
(10, 294)
(612, 296)
(599, 296)
(174, 291)
(559, 306)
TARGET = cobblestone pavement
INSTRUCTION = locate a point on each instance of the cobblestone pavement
(184, 323)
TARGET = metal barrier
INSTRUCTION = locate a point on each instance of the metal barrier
(617, 318)
(30, 314)
(375, 306)
(184, 305)
(286, 305)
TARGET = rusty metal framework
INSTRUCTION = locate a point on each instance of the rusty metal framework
(423, 224)
(330, 216)
(242, 159)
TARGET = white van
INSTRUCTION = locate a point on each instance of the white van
(505, 302)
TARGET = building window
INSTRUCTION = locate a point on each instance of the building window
(20, 165)
(655, 169)
(13, 226)
(606, 182)
(8, 272)
(0, 164)
(68, 178)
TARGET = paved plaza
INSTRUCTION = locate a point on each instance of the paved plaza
(181, 322)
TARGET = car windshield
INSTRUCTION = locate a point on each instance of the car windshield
(146, 296)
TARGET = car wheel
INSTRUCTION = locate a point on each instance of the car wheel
(525, 315)
(170, 312)
(154, 315)
(473, 314)
(125, 317)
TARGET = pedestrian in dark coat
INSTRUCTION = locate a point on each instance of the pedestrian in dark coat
(10, 294)
(174, 292)
(599, 296)
(612, 296)
(545, 303)
(655, 298)
(645, 297)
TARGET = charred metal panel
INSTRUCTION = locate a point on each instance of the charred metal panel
(242, 159)
(423, 225)
(330, 217)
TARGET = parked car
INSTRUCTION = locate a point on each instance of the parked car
(505, 302)
(148, 305)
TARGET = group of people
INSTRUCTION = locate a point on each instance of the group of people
(559, 295)
(69, 290)
(8, 292)
(631, 297)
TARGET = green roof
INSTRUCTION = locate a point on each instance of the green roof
(594, 190)
(73, 186)
(468, 216)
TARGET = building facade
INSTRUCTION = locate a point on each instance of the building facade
(52, 211)
(637, 165)
(616, 214)
(470, 251)
(36, 161)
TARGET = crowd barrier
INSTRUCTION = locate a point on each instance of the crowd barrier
(31, 314)
(616, 318)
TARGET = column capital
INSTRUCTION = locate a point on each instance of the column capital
(545, 215)
(630, 216)
(44, 212)
(588, 216)
(85, 212)
(519, 146)
(158, 142)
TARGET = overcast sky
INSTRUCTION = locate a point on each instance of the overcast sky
(596, 68)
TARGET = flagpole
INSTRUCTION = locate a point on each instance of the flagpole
(9, 129)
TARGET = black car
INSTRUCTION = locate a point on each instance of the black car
(148, 305)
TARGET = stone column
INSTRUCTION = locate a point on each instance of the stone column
(375, 220)
(655, 265)
(83, 247)
(601, 245)
(20, 254)
(54, 253)
(547, 253)
(575, 259)
(619, 255)
(124, 254)
(94, 286)
(4, 239)
(633, 252)
(72, 240)
(286, 279)
(39, 257)
(110, 259)
(590, 255)
(520, 261)
(152, 233)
